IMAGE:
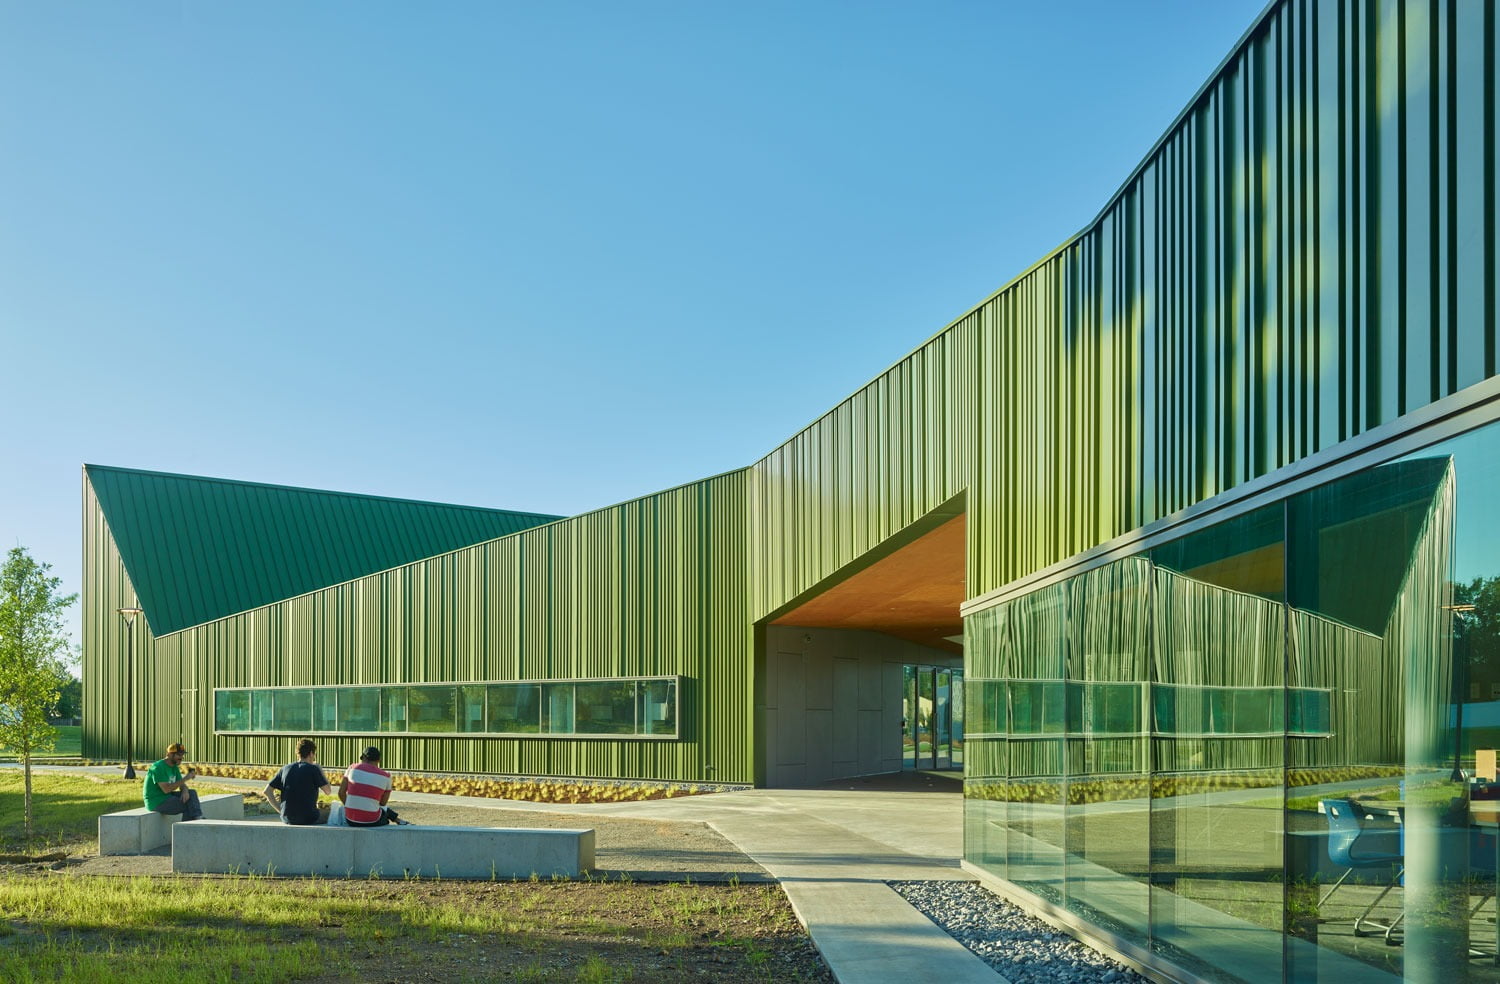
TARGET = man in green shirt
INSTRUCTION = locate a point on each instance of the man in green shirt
(166, 789)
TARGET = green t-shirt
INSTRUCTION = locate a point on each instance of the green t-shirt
(161, 771)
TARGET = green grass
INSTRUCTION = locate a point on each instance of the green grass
(139, 930)
(66, 808)
(69, 744)
(132, 929)
(69, 740)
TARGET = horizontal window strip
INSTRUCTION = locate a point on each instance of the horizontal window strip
(1042, 708)
(621, 707)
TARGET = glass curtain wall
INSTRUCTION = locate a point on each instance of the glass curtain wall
(1217, 657)
(1266, 750)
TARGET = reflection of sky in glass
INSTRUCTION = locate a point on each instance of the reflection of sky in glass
(1476, 461)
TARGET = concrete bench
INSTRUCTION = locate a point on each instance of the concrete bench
(140, 830)
(226, 847)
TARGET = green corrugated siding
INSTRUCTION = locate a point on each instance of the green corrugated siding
(654, 586)
(1310, 252)
(202, 548)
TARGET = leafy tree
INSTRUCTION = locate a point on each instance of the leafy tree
(32, 640)
(69, 697)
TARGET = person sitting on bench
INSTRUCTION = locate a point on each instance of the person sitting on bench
(364, 791)
(298, 785)
(166, 788)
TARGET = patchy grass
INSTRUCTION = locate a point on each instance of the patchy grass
(126, 930)
(66, 808)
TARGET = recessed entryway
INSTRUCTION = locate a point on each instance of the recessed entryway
(864, 676)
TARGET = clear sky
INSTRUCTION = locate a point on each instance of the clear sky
(541, 256)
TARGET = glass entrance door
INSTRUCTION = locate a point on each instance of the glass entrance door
(932, 717)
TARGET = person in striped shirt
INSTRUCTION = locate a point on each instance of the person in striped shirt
(364, 791)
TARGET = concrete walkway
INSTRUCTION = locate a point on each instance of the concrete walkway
(832, 848)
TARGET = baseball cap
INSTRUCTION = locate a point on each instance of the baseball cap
(175, 747)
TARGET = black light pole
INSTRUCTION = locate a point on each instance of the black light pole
(129, 615)
(1460, 688)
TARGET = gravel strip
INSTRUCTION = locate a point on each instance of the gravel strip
(1019, 946)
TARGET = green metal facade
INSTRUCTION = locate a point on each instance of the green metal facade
(650, 587)
(1308, 253)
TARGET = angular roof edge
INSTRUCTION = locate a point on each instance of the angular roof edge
(88, 467)
(198, 548)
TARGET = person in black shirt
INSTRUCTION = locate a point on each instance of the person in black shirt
(298, 785)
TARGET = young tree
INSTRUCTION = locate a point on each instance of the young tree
(32, 641)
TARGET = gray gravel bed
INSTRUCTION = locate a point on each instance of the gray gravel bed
(1019, 946)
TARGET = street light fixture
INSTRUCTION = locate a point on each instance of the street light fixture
(129, 615)
(1460, 689)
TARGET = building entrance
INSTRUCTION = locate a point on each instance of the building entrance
(865, 676)
(932, 717)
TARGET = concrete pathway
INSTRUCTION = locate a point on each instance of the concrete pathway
(833, 849)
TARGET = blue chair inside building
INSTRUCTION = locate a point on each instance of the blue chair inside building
(1345, 831)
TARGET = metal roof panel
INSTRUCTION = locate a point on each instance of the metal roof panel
(197, 549)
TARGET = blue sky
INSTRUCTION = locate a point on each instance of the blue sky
(540, 256)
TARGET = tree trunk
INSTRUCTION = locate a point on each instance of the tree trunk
(26, 760)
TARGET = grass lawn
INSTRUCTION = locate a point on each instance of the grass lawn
(66, 808)
(69, 740)
(61, 925)
(125, 930)
(69, 744)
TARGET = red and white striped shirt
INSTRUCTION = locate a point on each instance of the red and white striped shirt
(367, 784)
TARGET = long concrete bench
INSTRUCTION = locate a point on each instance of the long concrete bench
(222, 847)
(140, 830)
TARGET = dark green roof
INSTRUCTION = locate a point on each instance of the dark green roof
(198, 549)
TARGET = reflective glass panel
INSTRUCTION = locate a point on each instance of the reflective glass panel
(261, 716)
(1107, 802)
(359, 709)
(985, 769)
(908, 717)
(325, 710)
(232, 710)
(1219, 626)
(1036, 649)
(957, 713)
(293, 710)
(926, 708)
(392, 709)
(605, 708)
(431, 709)
(471, 709)
(1384, 563)
(514, 708)
(557, 708)
(943, 719)
(658, 707)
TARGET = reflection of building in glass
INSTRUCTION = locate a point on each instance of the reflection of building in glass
(1182, 534)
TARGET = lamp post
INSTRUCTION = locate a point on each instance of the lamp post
(129, 615)
(1460, 687)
